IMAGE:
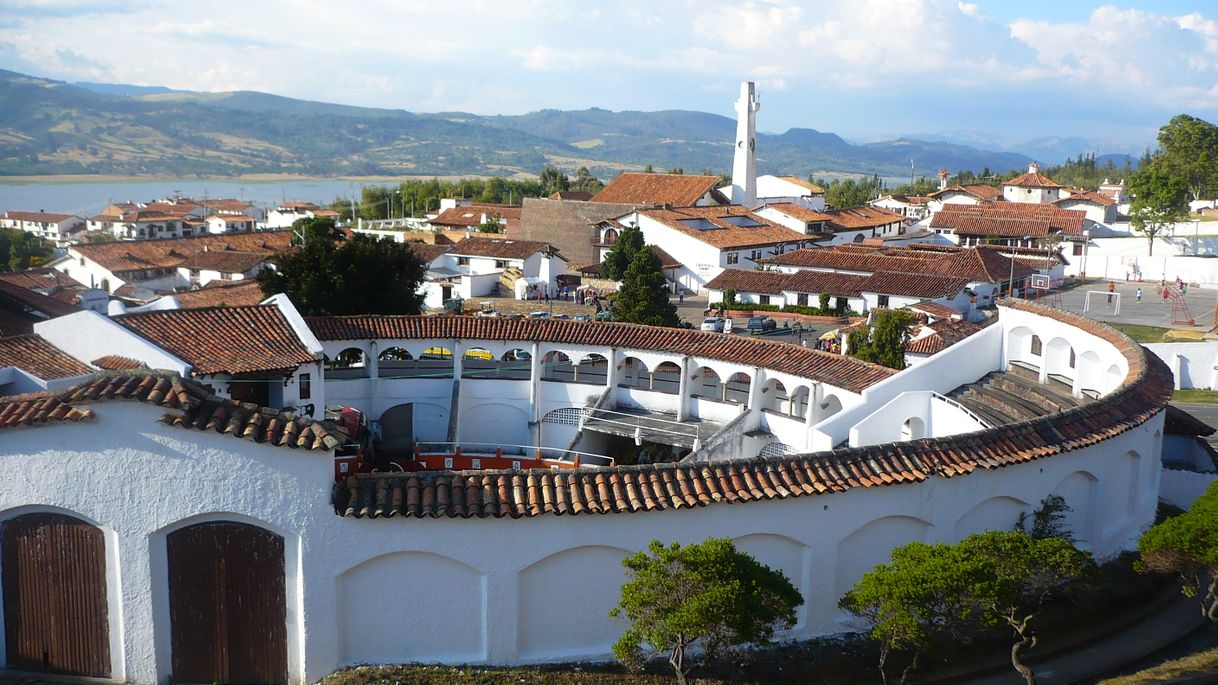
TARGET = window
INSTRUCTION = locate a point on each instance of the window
(462, 261)
(1078, 249)
(1072, 357)
(306, 386)
(500, 263)
(883, 301)
(801, 299)
(1036, 346)
(732, 258)
(764, 299)
(755, 255)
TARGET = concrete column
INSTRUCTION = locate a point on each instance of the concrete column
(757, 380)
(374, 374)
(535, 382)
(683, 391)
(455, 406)
(810, 415)
(613, 376)
(502, 609)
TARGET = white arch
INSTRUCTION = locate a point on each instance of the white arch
(872, 544)
(995, 513)
(914, 428)
(775, 397)
(1059, 358)
(829, 406)
(1019, 346)
(1078, 489)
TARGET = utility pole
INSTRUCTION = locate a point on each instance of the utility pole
(911, 172)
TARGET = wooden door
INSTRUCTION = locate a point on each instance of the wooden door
(227, 605)
(55, 611)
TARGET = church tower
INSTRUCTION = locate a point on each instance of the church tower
(744, 166)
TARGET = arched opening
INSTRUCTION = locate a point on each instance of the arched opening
(858, 238)
(397, 431)
(736, 389)
(394, 354)
(706, 384)
(593, 369)
(56, 616)
(435, 362)
(557, 367)
(1023, 352)
(610, 237)
(395, 362)
(1059, 363)
(516, 364)
(799, 402)
(634, 374)
(829, 406)
(478, 362)
(914, 428)
(1090, 374)
(227, 604)
(775, 398)
(666, 378)
(1113, 378)
(349, 363)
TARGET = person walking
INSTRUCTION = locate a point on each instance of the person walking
(1111, 290)
(1138, 294)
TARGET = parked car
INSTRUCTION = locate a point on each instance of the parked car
(582, 317)
(564, 317)
(539, 315)
(604, 316)
(761, 324)
(714, 324)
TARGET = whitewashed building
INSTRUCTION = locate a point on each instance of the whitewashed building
(60, 229)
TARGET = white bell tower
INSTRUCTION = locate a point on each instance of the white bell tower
(744, 166)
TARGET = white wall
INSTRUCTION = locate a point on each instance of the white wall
(937, 419)
(88, 335)
(1194, 365)
(1180, 488)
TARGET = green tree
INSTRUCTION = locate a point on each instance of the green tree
(20, 250)
(643, 297)
(850, 192)
(554, 180)
(618, 258)
(913, 600)
(1159, 200)
(586, 182)
(1189, 152)
(823, 302)
(1188, 545)
(884, 342)
(1048, 520)
(329, 273)
(707, 596)
(1019, 573)
(493, 224)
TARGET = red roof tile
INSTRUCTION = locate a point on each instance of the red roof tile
(224, 339)
(1032, 179)
(47, 217)
(677, 190)
(980, 191)
(913, 285)
(1009, 219)
(225, 261)
(719, 226)
(242, 293)
(37, 356)
(834, 369)
(499, 248)
(134, 255)
(114, 362)
(622, 489)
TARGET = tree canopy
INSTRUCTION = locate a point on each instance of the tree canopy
(1189, 151)
(618, 258)
(1188, 545)
(985, 580)
(20, 250)
(643, 297)
(707, 596)
(884, 342)
(1160, 199)
(331, 273)
(850, 192)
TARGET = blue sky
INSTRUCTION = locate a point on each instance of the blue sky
(1005, 71)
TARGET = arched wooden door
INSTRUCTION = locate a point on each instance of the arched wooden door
(55, 612)
(227, 608)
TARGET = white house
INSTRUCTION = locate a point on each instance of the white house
(222, 265)
(288, 213)
(229, 223)
(1098, 207)
(60, 229)
(969, 194)
(707, 240)
(1032, 187)
(773, 189)
(837, 226)
(913, 207)
(481, 263)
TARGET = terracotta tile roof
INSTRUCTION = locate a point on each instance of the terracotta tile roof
(499, 248)
(980, 191)
(623, 489)
(576, 195)
(114, 362)
(856, 218)
(750, 281)
(1180, 422)
(224, 339)
(714, 226)
(34, 354)
(193, 405)
(1009, 219)
(944, 334)
(225, 261)
(667, 261)
(475, 214)
(45, 280)
(800, 212)
(982, 264)
(816, 190)
(913, 285)
(32, 301)
(48, 217)
(834, 369)
(245, 292)
(1091, 196)
(134, 255)
(816, 282)
(935, 309)
(1032, 179)
(867, 260)
(428, 253)
(677, 190)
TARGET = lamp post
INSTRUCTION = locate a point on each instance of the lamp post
(1082, 271)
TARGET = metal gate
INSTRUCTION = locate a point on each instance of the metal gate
(227, 606)
(55, 613)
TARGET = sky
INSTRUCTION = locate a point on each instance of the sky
(865, 69)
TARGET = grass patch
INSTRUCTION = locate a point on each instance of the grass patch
(1142, 334)
(1202, 662)
(589, 143)
(1195, 396)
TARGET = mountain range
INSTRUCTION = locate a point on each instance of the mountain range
(51, 127)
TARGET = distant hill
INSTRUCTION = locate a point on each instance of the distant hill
(51, 127)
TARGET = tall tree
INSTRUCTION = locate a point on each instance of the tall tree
(1190, 152)
(1159, 200)
(586, 182)
(643, 297)
(706, 597)
(1188, 545)
(330, 273)
(884, 342)
(554, 180)
(618, 258)
(20, 250)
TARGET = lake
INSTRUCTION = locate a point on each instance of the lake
(88, 198)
